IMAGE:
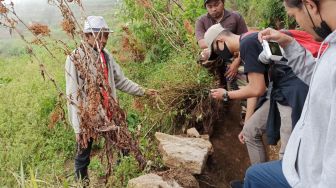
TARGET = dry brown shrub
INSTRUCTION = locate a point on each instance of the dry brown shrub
(68, 26)
(3, 9)
(125, 43)
(123, 58)
(10, 22)
(55, 116)
(188, 27)
(29, 50)
(138, 105)
(36, 41)
(145, 3)
(132, 45)
(39, 29)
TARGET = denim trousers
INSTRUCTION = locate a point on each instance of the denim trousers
(266, 175)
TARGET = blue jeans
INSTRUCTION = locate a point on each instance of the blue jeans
(266, 175)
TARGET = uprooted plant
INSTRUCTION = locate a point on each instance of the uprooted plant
(94, 122)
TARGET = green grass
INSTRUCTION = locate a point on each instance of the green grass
(26, 102)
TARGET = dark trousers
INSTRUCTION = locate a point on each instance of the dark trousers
(82, 161)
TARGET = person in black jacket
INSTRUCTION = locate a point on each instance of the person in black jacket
(282, 105)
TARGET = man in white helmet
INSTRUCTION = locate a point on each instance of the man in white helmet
(96, 33)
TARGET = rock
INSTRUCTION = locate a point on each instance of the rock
(180, 152)
(181, 176)
(192, 132)
(151, 181)
(205, 137)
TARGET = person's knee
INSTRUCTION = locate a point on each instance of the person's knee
(286, 129)
(252, 172)
(252, 133)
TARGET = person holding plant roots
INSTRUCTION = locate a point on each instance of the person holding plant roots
(310, 156)
(225, 69)
(233, 21)
(107, 73)
(280, 93)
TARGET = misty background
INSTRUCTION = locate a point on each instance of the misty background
(39, 11)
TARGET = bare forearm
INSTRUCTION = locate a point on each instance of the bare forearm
(236, 61)
(250, 107)
(246, 92)
(202, 44)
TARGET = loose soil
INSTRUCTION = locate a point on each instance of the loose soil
(230, 158)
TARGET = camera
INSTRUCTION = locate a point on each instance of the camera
(273, 51)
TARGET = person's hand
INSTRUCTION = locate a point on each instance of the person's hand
(78, 137)
(232, 69)
(241, 137)
(151, 92)
(205, 54)
(274, 35)
(217, 93)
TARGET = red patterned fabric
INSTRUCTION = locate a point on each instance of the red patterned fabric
(104, 92)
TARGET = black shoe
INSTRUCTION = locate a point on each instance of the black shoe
(236, 184)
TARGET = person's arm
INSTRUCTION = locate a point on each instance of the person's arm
(255, 88)
(299, 59)
(72, 88)
(123, 83)
(202, 44)
(250, 107)
(199, 34)
(233, 68)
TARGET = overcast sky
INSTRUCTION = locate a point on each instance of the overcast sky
(39, 11)
(16, 1)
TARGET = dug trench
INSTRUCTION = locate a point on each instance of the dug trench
(230, 158)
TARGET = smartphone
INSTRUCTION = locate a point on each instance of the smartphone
(273, 50)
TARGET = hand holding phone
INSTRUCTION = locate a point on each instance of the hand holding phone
(272, 50)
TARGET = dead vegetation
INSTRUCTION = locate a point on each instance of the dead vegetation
(131, 45)
(39, 29)
(189, 104)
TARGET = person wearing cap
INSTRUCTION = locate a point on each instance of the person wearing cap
(96, 33)
(224, 42)
(310, 157)
(216, 13)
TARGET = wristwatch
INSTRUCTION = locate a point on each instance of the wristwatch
(226, 97)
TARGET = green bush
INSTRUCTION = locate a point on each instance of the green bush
(263, 13)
